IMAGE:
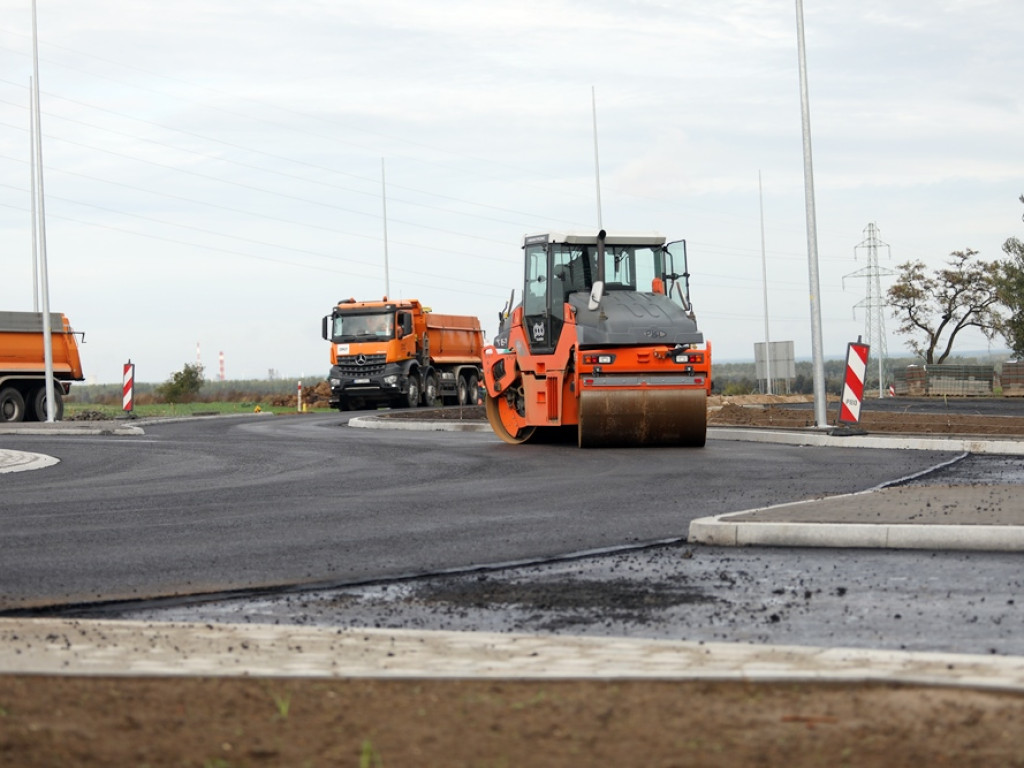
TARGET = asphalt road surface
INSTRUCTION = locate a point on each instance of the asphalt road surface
(213, 505)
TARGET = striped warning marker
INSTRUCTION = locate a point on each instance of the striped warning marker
(853, 386)
(128, 388)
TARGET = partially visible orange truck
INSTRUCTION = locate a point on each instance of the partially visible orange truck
(400, 353)
(23, 365)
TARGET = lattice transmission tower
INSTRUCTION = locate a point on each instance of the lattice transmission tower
(874, 301)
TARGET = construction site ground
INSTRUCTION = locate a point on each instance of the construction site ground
(206, 719)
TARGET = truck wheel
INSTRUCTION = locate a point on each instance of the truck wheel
(412, 394)
(430, 391)
(474, 385)
(463, 392)
(38, 401)
(12, 405)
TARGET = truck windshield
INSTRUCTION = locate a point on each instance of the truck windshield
(349, 327)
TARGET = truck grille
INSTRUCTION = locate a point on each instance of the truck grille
(362, 365)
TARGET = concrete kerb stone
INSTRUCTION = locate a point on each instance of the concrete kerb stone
(23, 461)
(419, 425)
(123, 648)
(720, 532)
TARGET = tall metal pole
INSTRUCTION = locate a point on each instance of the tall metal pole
(47, 340)
(384, 202)
(597, 163)
(820, 415)
(764, 285)
(32, 195)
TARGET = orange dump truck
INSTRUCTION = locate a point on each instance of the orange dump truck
(23, 365)
(399, 353)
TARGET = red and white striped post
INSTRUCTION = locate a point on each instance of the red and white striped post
(853, 386)
(128, 388)
(298, 401)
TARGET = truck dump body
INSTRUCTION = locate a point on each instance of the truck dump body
(454, 338)
(23, 364)
(21, 345)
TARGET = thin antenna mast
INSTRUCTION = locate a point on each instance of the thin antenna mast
(384, 203)
(597, 163)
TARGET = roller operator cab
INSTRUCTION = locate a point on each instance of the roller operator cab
(604, 339)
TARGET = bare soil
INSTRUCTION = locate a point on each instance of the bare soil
(222, 722)
(382, 723)
(779, 413)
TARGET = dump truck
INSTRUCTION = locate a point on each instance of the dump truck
(400, 353)
(604, 342)
(23, 365)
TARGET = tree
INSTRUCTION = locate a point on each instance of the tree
(1010, 277)
(183, 386)
(933, 309)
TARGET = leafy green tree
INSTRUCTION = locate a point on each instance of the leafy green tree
(1010, 277)
(183, 386)
(933, 309)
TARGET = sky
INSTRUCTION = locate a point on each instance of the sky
(217, 174)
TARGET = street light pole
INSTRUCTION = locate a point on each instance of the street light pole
(820, 416)
(43, 274)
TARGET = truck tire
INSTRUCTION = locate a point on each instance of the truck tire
(38, 404)
(430, 391)
(12, 405)
(412, 394)
(464, 396)
(474, 385)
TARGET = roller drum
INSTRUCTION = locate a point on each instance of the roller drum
(643, 417)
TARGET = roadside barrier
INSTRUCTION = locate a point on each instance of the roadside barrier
(853, 386)
(128, 388)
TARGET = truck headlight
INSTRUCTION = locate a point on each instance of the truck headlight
(391, 380)
(335, 382)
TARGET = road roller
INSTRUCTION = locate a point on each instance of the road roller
(604, 340)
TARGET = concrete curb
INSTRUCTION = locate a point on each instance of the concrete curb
(23, 461)
(122, 648)
(420, 425)
(1009, 446)
(71, 428)
(720, 532)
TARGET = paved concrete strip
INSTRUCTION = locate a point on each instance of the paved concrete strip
(71, 428)
(66, 646)
(986, 538)
(420, 425)
(1010, 446)
(22, 461)
(979, 517)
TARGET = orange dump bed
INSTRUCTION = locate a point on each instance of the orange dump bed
(454, 338)
(21, 345)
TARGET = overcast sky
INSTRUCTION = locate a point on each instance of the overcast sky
(213, 170)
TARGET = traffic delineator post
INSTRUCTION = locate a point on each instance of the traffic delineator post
(128, 388)
(853, 388)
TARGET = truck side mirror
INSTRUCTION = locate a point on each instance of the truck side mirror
(323, 326)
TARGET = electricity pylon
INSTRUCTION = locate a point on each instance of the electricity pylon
(874, 301)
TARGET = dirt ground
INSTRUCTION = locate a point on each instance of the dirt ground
(777, 412)
(225, 722)
(233, 722)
